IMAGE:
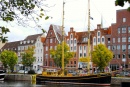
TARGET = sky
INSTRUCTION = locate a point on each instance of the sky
(76, 16)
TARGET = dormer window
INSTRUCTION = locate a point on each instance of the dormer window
(31, 41)
(28, 41)
(21, 42)
(24, 42)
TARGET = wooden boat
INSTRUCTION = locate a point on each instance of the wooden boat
(96, 78)
(104, 78)
(2, 75)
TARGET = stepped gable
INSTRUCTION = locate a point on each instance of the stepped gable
(58, 32)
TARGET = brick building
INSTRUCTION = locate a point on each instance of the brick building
(120, 40)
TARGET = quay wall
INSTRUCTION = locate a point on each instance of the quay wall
(24, 77)
(119, 80)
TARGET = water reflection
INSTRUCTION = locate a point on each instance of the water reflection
(33, 84)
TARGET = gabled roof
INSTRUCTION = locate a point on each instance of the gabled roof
(11, 46)
(30, 40)
(32, 37)
(58, 32)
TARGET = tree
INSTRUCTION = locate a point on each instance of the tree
(101, 56)
(22, 11)
(27, 56)
(9, 59)
(57, 55)
(122, 2)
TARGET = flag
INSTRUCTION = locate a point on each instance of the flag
(91, 18)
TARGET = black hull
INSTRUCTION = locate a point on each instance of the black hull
(101, 79)
(2, 74)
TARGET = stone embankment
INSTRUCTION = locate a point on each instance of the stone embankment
(19, 77)
(119, 80)
(114, 80)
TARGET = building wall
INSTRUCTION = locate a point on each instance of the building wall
(122, 23)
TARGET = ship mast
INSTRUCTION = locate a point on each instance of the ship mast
(88, 66)
(63, 39)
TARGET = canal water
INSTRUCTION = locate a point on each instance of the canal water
(33, 84)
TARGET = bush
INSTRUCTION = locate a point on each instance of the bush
(31, 72)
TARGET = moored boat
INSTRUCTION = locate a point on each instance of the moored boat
(95, 78)
(2, 74)
(102, 78)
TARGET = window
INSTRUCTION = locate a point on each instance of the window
(50, 47)
(129, 46)
(80, 47)
(75, 41)
(98, 39)
(123, 39)
(50, 40)
(74, 62)
(46, 56)
(128, 29)
(119, 31)
(84, 54)
(51, 33)
(118, 39)
(94, 39)
(118, 47)
(55, 47)
(46, 48)
(71, 48)
(98, 33)
(85, 39)
(84, 47)
(74, 47)
(68, 41)
(118, 56)
(114, 56)
(123, 48)
(71, 41)
(102, 39)
(108, 40)
(128, 55)
(113, 40)
(128, 39)
(123, 29)
(124, 19)
(113, 47)
(80, 54)
(109, 47)
(123, 56)
(71, 36)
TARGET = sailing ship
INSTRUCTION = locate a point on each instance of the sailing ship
(104, 78)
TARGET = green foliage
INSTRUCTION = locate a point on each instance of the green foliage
(21, 11)
(57, 54)
(3, 31)
(101, 56)
(27, 56)
(121, 3)
(9, 59)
